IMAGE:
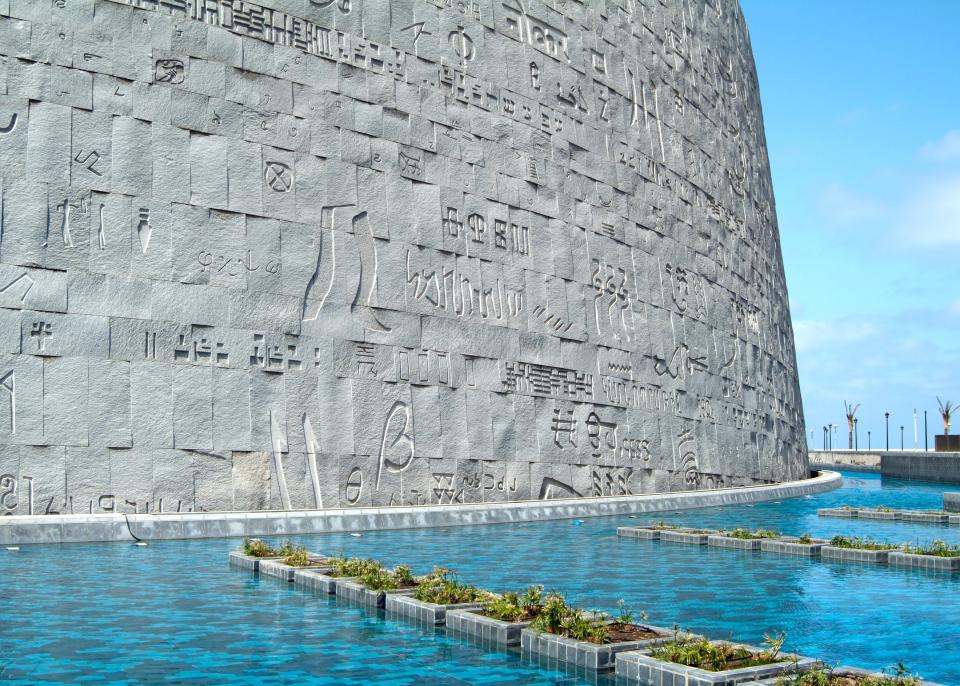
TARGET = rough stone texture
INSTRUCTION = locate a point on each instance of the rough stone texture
(298, 255)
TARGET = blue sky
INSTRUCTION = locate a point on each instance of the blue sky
(861, 106)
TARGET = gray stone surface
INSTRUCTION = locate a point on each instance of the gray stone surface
(291, 255)
(922, 466)
(830, 552)
(486, 630)
(951, 501)
(64, 528)
(432, 614)
(638, 667)
(932, 563)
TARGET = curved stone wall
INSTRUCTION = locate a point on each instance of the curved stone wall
(296, 254)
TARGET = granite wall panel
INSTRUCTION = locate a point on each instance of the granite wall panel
(308, 254)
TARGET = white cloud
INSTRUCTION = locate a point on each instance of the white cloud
(843, 205)
(943, 150)
(813, 334)
(930, 216)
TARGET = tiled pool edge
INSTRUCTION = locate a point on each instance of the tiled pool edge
(26, 529)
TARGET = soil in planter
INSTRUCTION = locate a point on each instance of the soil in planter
(617, 633)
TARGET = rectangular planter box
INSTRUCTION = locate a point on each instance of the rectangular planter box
(829, 552)
(848, 671)
(734, 543)
(951, 501)
(685, 537)
(427, 613)
(932, 563)
(784, 547)
(639, 532)
(836, 512)
(583, 653)
(877, 514)
(356, 592)
(925, 517)
(248, 562)
(637, 667)
(317, 580)
(475, 624)
(946, 443)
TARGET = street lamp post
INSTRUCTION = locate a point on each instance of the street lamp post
(887, 416)
(824, 438)
(914, 429)
(901, 438)
(868, 440)
(926, 445)
(856, 441)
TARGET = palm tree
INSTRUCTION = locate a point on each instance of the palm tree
(946, 411)
(851, 411)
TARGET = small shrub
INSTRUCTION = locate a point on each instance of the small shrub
(938, 548)
(258, 548)
(716, 657)
(441, 587)
(860, 543)
(352, 566)
(747, 534)
(512, 607)
(825, 676)
(297, 557)
(557, 617)
(805, 539)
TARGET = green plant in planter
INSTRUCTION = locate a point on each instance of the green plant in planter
(297, 557)
(747, 534)
(352, 566)
(716, 657)
(442, 587)
(860, 543)
(938, 549)
(824, 676)
(625, 615)
(512, 607)
(805, 539)
(557, 617)
(258, 548)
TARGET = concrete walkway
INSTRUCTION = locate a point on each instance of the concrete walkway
(120, 527)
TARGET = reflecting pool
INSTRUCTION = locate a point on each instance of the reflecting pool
(175, 612)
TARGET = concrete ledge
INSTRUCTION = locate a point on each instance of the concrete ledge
(850, 671)
(734, 543)
(638, 667)
(247, 562)
(647, 534)
(25, 529)
(925, 517)
(829, 552)
(476, 625)
(592, 656)
(951, 501)
(791, 547)
(930, 563)
(433, 614)
(316, 581)
(845, 512)
(878, 514)
(685, 537)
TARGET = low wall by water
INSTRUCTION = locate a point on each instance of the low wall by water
(850, 460)
(922, 466)
(128, 527)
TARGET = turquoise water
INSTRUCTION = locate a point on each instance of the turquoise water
(174, 612)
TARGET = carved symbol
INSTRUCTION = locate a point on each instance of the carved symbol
(564, 424)
(462, 45)
(353, 488)
(418, 31)
(169, 71)
(150, 345)
(322, 280)
(101, 236)
(64, 208)
(403, 439)
(9, 483)
(144, 230)
(535, 75)
(41, 331)
(549, 485)
(11, 125)
(88, 56)
(9, 384)
(278, 176)
(688, 458)
(118, 93)
(90, 167)
(16, 281)
(596, 427)
(411, 165)
(310, 440)
(279, 443)
(367, 247)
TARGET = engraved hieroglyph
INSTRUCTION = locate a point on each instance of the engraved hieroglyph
(301, 254)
